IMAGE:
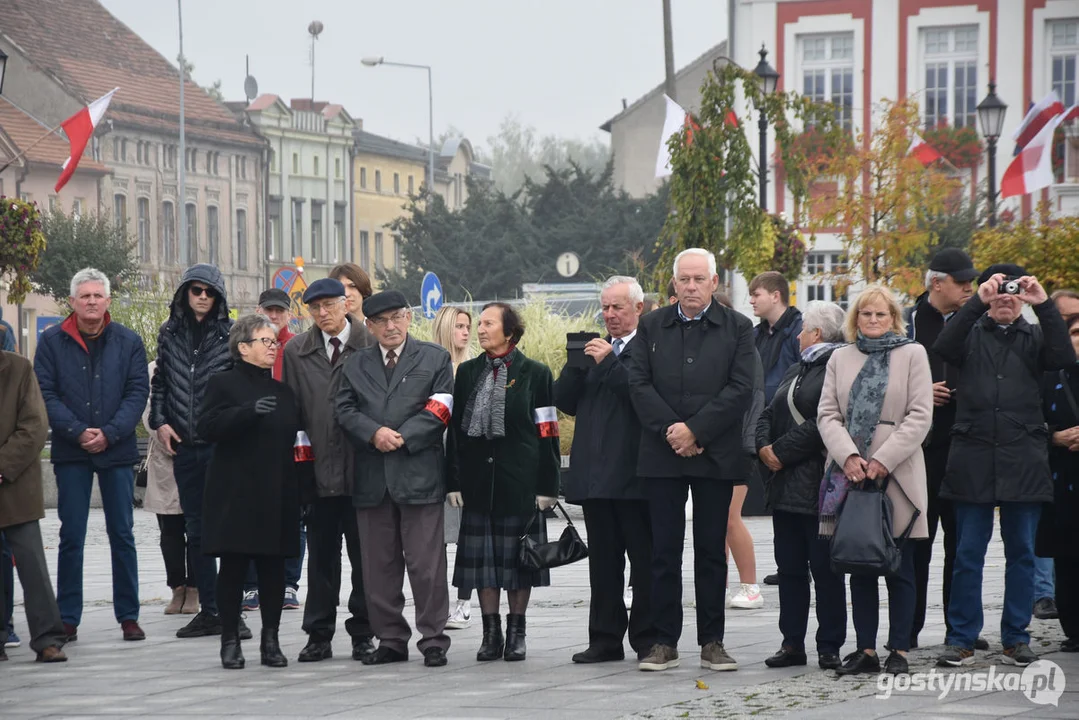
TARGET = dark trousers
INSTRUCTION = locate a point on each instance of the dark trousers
(179, 562)
(42, 612)
(8, 580)
(936, 460)
(189, 468)
(331, 519)
(617, 528)
(1068, 595)
(230, 589)
(799, 549)
(865, 605)
(293, 567)
(667, 503)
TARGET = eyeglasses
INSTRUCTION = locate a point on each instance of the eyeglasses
(396, 318)
(268, 342)
(200, 291)
(328, 305)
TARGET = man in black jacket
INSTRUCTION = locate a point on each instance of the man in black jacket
(690, 384)
(947, 288)
(776, 336)
(603, 478)
(999, 454)
(192, 345)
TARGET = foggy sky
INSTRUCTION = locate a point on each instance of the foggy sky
(562, 66)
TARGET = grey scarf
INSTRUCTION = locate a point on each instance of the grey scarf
(485, 413)
(863, 415)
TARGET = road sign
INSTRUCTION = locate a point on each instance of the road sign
(568, 264)
(430, 295)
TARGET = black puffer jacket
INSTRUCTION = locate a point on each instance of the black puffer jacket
(183, 370)
(796, 487)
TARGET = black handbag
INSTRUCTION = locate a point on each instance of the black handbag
(862, 543)
(569, 548)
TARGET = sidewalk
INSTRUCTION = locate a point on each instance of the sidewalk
(164, 677)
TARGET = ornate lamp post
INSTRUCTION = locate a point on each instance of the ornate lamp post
(991, 113)
(769, 79)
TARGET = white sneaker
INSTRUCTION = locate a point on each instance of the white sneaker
(748, 598)
(727, 602)
(628, 598)
(461, 617)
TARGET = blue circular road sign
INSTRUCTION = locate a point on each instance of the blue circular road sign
(430, 295)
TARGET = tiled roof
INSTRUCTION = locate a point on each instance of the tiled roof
(23, 131)
(367, 142)
(90, 52)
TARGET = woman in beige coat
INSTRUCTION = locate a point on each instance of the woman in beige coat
(163, 499)
(875, 410)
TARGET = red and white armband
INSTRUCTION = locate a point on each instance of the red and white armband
(441, 406)
(547, 421)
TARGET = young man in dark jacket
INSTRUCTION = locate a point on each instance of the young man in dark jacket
(1000, 450)
(776, 336)
(192, 345)
(92, 374)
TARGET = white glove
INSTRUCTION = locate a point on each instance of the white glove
(545, 503)
(456, 500)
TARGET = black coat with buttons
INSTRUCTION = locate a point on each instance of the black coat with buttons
(700, 373)
(1000, 442)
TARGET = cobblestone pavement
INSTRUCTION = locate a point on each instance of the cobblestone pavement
(164, 677)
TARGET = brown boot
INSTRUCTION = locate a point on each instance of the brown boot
(191, 601)
(176, 605)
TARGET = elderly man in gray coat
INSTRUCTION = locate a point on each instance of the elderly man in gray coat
(394, 403)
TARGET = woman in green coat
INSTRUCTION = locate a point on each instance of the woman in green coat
(504, 470)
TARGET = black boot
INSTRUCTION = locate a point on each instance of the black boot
(515, 637)
(493, 642)
(270, 649)
(231, 657)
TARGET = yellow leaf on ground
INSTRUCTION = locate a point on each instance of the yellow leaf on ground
(701, 685)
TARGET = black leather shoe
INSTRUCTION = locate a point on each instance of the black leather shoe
(772, 579)
(1069, 645)
(515, 638)
(896, 664)
(828, 661)
(202, 625)
(270, 649)
(434, 657)
(981, 644)
(231, 657)
(362, 647)
(859, 662)
(1046, 609)
(598, 655)
(786, 657)
(316, 650)
(385, 655)
(245, 632)
(493, 644)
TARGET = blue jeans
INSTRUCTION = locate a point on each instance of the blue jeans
(189, 468)
(74, 481)
(7, 618)
(974, 529)
(293, 568)
(1043, 579)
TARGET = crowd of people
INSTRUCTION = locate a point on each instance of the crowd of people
(264, 445)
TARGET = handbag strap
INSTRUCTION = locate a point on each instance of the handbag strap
(532, 520)
(913, 516)
(799, 418)
(1065, 383)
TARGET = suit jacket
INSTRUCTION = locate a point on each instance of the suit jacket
(417, 402)
(24, 426)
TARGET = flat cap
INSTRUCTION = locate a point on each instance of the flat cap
(380, 302)
(275, 297)
(324, 288)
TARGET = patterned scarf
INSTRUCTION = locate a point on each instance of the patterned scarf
(485, 413)
(863, 415)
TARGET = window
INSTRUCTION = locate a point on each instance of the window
(123, 150)
(297, 228)
(275, 243)
(318, 247)
(396, 184)
(119, 211)
(149, 153)
(411, 185)
(823, 267)
(210, 163)
(951, 76)
(168, 234)
(378, 181)
(316, 165)
(337, 168)
(1064, 57)
(363, 178)
(243, 167)
(295, 163)
(241, 239)
(217, 156)
(139, 152)
(273, 161)
(828, 73)
(212, 230)
(340, 248)
(76, 207)
(397, 252)
(379, 264)
(192, 220)
(116, 148)
(365, 250)
(143, 229)
(54, 203)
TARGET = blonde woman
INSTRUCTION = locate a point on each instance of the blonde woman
(453, 331)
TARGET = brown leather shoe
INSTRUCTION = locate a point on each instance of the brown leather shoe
(177, 603)
(51, 654)
(132, 631)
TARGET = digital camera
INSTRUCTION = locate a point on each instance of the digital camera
(1010, 286)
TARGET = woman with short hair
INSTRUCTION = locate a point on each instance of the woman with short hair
(357, 286)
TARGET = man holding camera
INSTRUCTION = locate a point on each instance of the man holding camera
(594, 388)
(999, 453)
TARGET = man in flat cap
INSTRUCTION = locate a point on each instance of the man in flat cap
(276, 305)
(312, 368)
(394, 403)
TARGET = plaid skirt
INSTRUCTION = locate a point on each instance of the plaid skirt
(487, 552)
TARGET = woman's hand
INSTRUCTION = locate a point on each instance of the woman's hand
(876, 470)
(545, 503)
(854, 468)
(455, 499)
(768, 457)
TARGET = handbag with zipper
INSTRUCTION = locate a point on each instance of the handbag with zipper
(569, 548)
(863, 543)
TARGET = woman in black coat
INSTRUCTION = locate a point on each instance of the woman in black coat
(792, 451)
(251, 506)
(1058, 532)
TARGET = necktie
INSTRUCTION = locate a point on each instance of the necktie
(617, 345)
(336, 355)
(391, 363)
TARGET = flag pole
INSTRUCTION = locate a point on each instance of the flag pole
(29, 147)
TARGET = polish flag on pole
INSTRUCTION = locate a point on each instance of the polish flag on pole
(1032, 169)
(922, 151)
(675, 120)
(79, 128)
(1040, 113)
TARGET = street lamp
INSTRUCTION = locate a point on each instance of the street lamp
(991, 113)
(375, 62)
(3, 68)
(769, 79)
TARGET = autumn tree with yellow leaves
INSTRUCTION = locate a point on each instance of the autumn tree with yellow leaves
(1047, 247)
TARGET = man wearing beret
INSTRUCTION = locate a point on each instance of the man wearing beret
(394, 403)
(312, 368)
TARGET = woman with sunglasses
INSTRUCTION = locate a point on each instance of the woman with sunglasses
(252, 502)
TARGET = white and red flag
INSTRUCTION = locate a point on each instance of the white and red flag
(676, 119)
(1032, 168)
(1039, 114)
(79, 128)
(922, 151)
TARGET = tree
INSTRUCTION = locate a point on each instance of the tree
(213, 91)
(1045, 246)
(77, 242)
(22, 246)
(886, 201)
(517, 153)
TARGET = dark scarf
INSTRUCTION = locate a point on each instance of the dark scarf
(863, 415)
(485, 413)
